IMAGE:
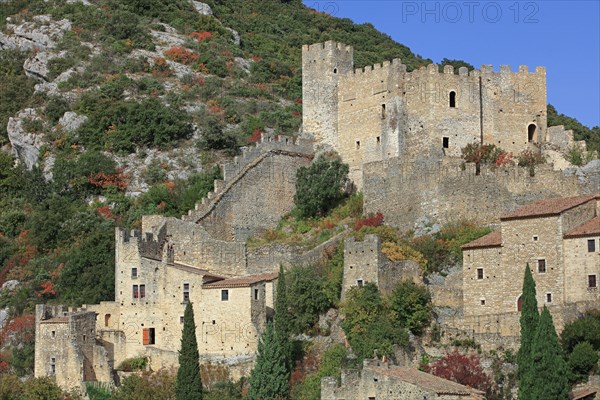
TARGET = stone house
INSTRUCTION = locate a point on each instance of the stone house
(381, 381)
(560, 240)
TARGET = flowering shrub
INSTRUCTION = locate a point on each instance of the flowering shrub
(463, 369)
(256, 135)
(161, 67)
(181, 55)
(371, 220)
(104, 180)
(199, 36)
(504, 158)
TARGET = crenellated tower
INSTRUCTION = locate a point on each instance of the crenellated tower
(322, 66)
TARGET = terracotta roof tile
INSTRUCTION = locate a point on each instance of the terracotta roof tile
(241, 282)
(549, 207)
(493, 239)
(198, 271)
(427, 381)
(590, 228)
(55, 320)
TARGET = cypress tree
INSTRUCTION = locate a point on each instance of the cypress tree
(189, 383)
(270, 377)
(549, 371)
(529, 321)
(281, 320)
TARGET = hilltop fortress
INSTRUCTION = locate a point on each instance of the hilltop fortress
(401, 133)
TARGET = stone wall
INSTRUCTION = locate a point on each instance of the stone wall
(576, 273)
(362, 261)
(382, 111)
(257, 190)
(445, 192)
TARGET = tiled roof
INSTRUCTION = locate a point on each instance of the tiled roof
(549, 207)
(427, 381)
(55, 320)
(493, 239)
(241, 282)
(194, 270)
(590, 228)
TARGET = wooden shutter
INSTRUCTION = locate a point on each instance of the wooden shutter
(146, 336)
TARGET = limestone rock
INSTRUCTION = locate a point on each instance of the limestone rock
(25, 145)
(3, 316)
(41, 34)
(10, 285)
(71, 121)
(243, 64)
(235, 36)
(37, 66)
(202, 8)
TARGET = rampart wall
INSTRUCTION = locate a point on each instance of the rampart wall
(446, 192)
(258, 188)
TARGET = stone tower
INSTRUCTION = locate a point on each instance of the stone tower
(322, 66)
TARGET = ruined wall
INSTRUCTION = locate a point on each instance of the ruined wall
(447, 193)
(257, 190)
(362, 261)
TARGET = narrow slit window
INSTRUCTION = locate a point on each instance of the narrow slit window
(445, 142)
(378, 140)
(452, 99)
(592, 283)
(256, 294)
(548, 297)
(135, 291)
(383, 112)
(357, 144)
(142, 291)
(186, 293)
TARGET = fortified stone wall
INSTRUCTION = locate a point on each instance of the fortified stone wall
(257, 190)
(382, 111)
(447, 193)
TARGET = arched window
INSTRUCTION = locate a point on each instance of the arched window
(452, 99)
(531, 133)
(519, 303)
(335, 70)
(106, 319)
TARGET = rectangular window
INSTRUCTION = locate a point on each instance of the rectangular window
(142, 291)
(535, 238)
(52, 366)
(445, 142)
(378, 140)
(479, 273)
(483, 302)
(256, 294)
(383, 111)
(134, 273)
(548, 297)
(357, 144)
(591, 245)
(53, 334)
(181, 319)
(224, 295)
(135, 291)
(186, 293)
(542, 266)
(592, 281)
(360, 282)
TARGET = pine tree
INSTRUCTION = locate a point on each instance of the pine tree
(270, 377)
(189, 383)
(549, 371)
(529, 321)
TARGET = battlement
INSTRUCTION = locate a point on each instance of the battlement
(250, 157)
(486, 69)
(329, 45)
(152, 248)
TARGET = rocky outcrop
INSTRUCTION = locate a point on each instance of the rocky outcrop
(37, 66)
(202, 8)
(71, 121)
(40, 34)
(25, 145)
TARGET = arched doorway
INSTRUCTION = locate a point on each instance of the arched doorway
(519, 303)
(531, 133)
(106, 319)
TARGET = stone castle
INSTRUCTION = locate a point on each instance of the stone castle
(401, 133)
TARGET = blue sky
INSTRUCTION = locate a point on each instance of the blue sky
(563, 36)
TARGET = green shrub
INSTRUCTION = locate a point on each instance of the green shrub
(304, 285)
(412, 306)
(133, 364)
(582, 360)
(320, 187)
(55, 109)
